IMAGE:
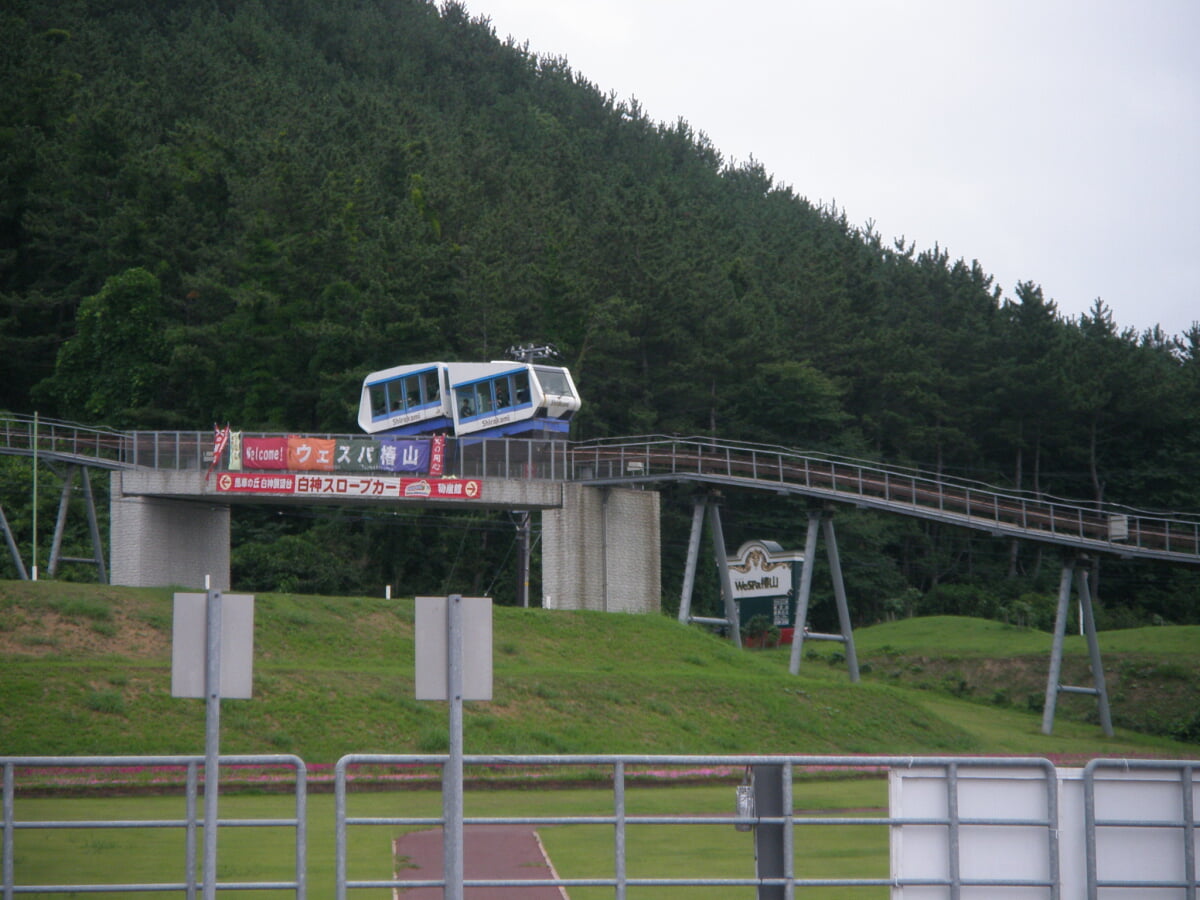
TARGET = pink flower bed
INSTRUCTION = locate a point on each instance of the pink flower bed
(320, 776)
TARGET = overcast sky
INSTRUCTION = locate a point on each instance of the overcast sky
(1055, 141)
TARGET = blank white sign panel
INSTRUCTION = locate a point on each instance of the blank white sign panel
(431, 659)
(189, 645)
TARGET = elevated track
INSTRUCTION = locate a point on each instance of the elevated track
(1109, 529)
(823, 478)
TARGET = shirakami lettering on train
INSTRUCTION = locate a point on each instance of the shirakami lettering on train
(405, 418)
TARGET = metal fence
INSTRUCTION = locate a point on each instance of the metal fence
(510, 458)
(154, 768)
(31, 436)
(1117, 828)
(1123, 836)
(618, 770)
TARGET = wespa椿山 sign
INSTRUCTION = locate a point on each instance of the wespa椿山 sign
(762, 569)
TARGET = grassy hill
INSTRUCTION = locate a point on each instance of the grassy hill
(1152, 674)
(86, 670)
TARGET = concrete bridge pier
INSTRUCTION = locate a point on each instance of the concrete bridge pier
(600, 545)
(601, 550)
(156, 541)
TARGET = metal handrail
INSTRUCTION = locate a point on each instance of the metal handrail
(1161, 535)
(29, 435)
(1104, 527)
(636, 446)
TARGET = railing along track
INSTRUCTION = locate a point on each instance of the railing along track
(1110, 529)
(641, 460)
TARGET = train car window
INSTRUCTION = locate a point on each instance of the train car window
(503, 393)
(521, 388)
(553, 381)
(483, 397)
(378, 399)
(433, 391)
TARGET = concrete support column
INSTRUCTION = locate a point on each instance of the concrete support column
(156, 542)
(601, 551)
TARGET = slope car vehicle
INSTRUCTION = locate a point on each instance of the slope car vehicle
(462, 399)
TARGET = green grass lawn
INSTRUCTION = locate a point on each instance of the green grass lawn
(942, 635)
(87, 671)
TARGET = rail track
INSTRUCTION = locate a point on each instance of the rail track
(1110, 529)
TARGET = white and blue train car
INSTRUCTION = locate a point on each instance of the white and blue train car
(495, 399)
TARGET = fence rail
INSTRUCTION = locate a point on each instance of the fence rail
(954, 827)
(192, 824)
(787, 879)
(30, 435)
(1100, 825)
(957, 827)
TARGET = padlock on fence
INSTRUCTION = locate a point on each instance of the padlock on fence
(745, 802)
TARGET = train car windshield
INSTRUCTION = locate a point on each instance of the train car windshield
(554, 381)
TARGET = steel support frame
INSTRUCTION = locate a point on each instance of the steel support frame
(821, 522)
(693, 554)
(1074, 572)
(718, 538)
(60, 524)
(11, 541)
(730, 621)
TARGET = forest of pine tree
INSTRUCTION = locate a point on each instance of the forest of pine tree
(220, 211)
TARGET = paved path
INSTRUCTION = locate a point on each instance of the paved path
(507, 852)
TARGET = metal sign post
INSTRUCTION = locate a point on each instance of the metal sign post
(198, 669)
(212, 738)
(453, 663)
(770, 846)
(452, 792)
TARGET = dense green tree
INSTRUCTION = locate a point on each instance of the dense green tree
(111, 370)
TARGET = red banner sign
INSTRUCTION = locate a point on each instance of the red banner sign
(265, 453)
(373, 486)
(352, 486)
(244, 482)
(437, 456)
